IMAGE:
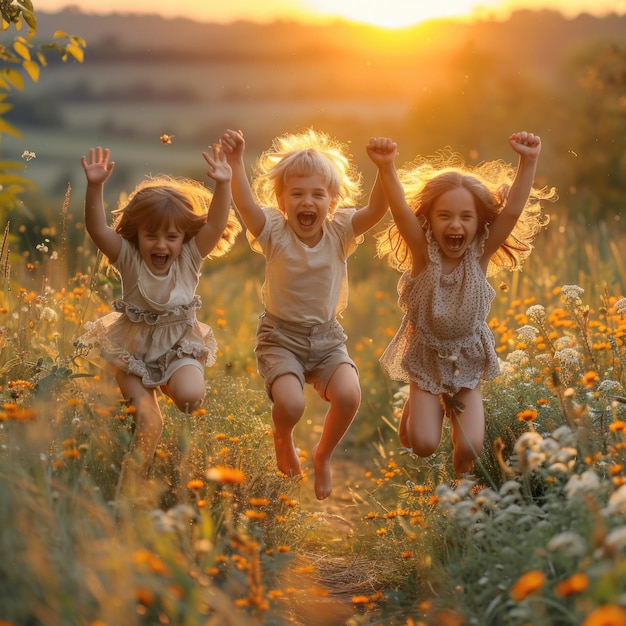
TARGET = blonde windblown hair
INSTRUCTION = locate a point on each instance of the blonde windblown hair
(303, 154)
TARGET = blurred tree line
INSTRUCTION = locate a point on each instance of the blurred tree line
(582, 119)
(467, 87)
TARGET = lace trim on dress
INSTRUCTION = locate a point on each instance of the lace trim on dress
(151, 318)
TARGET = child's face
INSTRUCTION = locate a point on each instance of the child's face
(454, 222)
(160, 248)
(306, 201)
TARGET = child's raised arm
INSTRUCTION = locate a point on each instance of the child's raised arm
(251, 213)
(369, 215)
(528, 147)
(220, 171)
(97, 171)
(382, 152)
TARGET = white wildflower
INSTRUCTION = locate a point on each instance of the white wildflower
(564, 435)
(617, 501)
(610, 388)
(532, 460)
(527, 333)
(466, 513)
(536, 313)
(510, 488)
(566, 455)
(587, 482)
(49, 315)
(569, 543)
(559, 468)
(544, 359)
(568, 358)
(487, 498)
(518, 357)
(564, 342)
(42, 247)
(528, 451)
(620, 306)
(616, 539)
(28, 155)
(572, 293)
(446, 495)
(550, 447)
(464, 486)
(528, 441)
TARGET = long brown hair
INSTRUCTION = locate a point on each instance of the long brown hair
(182, 202)
(425, 179)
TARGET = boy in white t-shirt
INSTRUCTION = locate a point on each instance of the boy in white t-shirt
(306, 241)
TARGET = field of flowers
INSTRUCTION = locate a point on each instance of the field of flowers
(220, 538)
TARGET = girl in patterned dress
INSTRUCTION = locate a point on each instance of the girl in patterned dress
(157, 244)
(454, 225)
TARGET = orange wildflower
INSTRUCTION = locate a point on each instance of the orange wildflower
(607, 615)
(590, 379)
(256, 515)
(360, 599)
(527, 415)
(527, 584)
(223, 474)
(573, 584)
(258, 501)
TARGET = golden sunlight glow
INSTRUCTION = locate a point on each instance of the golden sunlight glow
(398, 13)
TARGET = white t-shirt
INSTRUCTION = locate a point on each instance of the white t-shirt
(306, 285)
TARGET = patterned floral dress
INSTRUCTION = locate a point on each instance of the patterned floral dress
(443, 343)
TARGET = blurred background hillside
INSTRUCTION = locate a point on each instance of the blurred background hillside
(466, 85)
(441, 83)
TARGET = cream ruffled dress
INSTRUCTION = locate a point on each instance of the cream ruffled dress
(153, 330)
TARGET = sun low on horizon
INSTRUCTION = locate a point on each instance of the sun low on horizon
(397, 13)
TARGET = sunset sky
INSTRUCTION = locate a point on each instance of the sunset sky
(391, 13)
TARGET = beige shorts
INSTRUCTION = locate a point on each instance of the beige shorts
(311, 353)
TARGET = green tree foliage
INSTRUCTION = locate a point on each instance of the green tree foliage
(20, 59)
(597, 103)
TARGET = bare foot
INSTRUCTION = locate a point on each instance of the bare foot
(323, 477)
(287, 457)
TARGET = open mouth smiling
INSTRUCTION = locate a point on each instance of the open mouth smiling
(159, 260)
(454, 242)
(306, 219)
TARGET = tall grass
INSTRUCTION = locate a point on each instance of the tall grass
(539, 537)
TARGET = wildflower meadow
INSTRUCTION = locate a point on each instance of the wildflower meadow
(217, 536)
(221, 537)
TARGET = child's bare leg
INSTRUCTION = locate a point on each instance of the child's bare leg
(287, 409)
(468, 430)
(402, 434)
(148, 425)
(344, 394)
(424, 422)
(186, 388)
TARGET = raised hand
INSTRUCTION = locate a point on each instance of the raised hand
(98, 168)
(525, 144)
(381, 150)
(233, 143)
(219, 169)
